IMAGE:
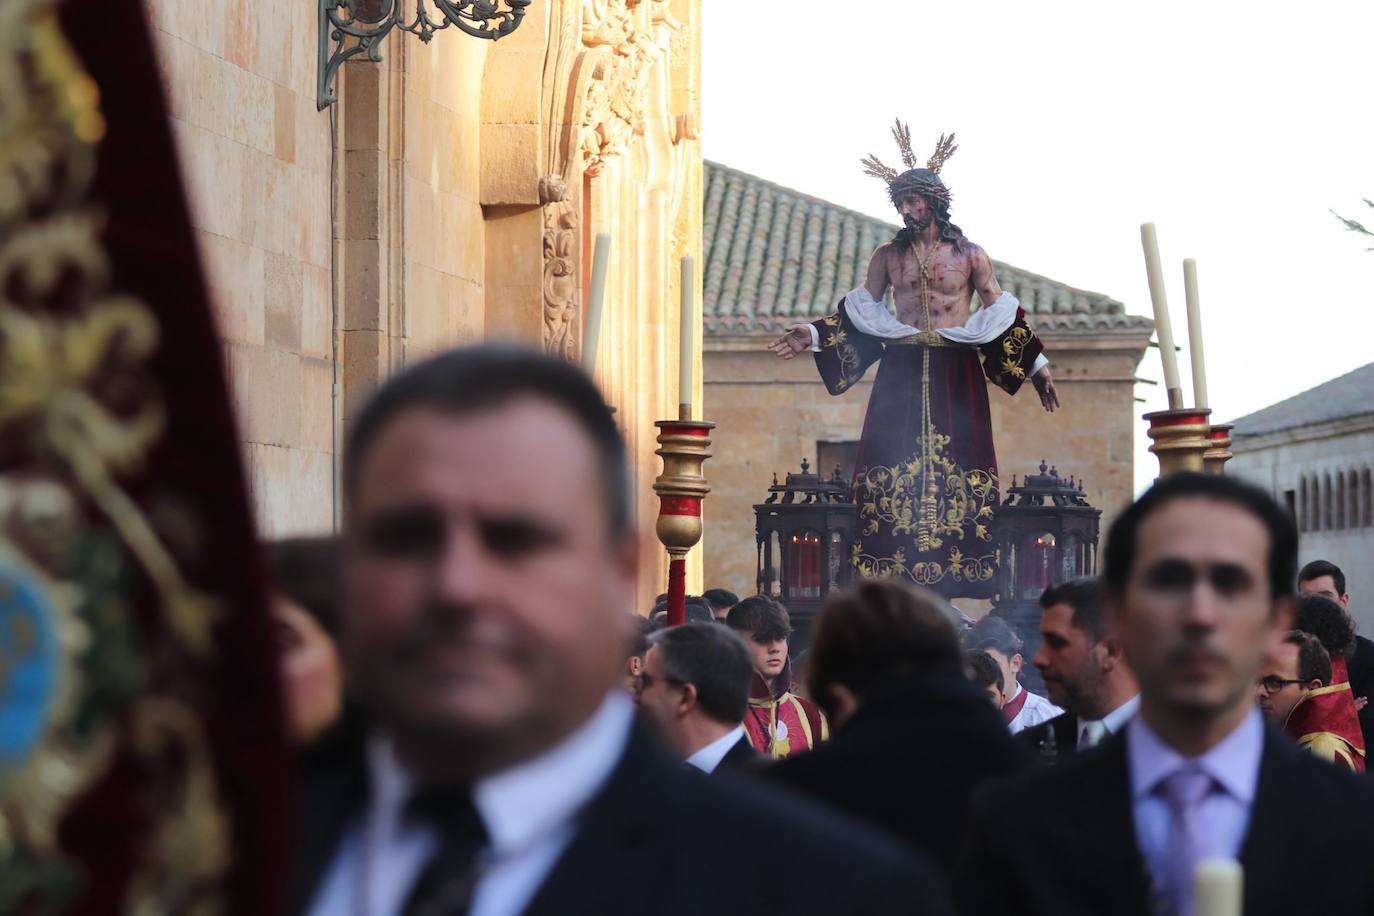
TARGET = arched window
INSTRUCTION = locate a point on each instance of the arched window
(1366, 499)
(1340, 500)
(1352, 497)
(1326, 503)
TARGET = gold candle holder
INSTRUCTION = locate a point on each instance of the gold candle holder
(1218, 448)
(684, 446)
(1180, 438)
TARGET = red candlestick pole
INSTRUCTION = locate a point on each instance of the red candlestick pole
(684, 448)
(677, 591)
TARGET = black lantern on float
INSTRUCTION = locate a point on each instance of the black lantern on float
(803, 531)
(1046, 533)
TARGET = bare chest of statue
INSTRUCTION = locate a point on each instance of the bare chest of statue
(949, 287)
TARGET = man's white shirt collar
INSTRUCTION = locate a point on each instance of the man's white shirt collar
(709, 757)
(531, 799)
(1115, 720)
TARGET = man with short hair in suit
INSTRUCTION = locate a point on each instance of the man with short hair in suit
(1083, 669)
(695, 690)
(490, 563)
(913, 735)
(1198, 583)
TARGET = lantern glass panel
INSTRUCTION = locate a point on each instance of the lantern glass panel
(1037, 564)
(803, 564)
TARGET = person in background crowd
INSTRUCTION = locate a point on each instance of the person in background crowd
(1198, 584)
(1326, 579)
(887, 669)
(485, 627)
(1335, 710)
(695, 689)
(1295, 692)
(720, 601)
(640, 630)
(779, 722)
(1020, 708)
(695, 610)
(1296, 665)
(1083, 669)
(982, 669)
(1321, 577)
(304, 577)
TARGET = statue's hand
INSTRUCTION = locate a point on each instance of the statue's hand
(1044, 386)
(797, 340)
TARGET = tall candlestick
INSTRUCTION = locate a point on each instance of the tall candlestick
(1217, 885)
(1195, 332)
(596, 298)
(686, 340)
(1162, 327)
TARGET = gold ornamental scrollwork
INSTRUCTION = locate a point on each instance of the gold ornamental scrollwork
(79, 414)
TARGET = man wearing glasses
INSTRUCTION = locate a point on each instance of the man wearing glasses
(1293, 693)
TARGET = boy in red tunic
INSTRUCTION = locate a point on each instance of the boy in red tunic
(778, 722)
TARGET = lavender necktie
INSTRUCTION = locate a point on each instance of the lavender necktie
(1183, 793)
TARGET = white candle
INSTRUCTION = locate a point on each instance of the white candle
(1217, 885)
(1195, 333)
(686, 339)
(1162, 327)
(596, 298)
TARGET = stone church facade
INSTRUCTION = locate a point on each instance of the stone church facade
(775, 257)
(1315, 452)
(450, 195)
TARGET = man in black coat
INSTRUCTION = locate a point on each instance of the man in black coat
(912, 735)
(695, 691)
(1084, 672)
(490, 560)
(1198, 580)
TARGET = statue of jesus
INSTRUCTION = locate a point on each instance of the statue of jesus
(925, 475)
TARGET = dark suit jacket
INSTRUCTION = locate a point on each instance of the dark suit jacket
(908, 760)
(1061, 841)
(1360, 665)
(660, 839)
(740, 757)
(1053, 739)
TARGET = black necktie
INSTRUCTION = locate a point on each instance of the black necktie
(445, 887)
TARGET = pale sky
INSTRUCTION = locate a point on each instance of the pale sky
(1235, 127)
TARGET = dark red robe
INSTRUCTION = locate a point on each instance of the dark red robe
(925, 475)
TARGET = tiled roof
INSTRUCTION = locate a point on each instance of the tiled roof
(776, 256)
(1347, 396)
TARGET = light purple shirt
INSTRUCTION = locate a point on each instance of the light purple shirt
(1233, 763)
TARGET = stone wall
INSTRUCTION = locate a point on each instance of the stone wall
(771, 414)
(240, 82)
(466, 180)
(1308, 463)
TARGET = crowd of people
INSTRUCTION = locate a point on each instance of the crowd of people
(484, 728)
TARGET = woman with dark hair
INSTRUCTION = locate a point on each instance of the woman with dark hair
(304, 575)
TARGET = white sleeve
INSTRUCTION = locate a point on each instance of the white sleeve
(815, 338)
(1040, 363)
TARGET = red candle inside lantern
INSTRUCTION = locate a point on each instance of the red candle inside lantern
(1037, 570)
(804, 565)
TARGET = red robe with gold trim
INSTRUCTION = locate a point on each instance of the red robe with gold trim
(925, 475)
(778, 722)
(1325, 722)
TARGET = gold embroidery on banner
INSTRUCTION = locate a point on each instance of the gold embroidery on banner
(81, 414)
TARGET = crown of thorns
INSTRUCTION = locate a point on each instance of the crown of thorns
(902, 134)
(899, 183)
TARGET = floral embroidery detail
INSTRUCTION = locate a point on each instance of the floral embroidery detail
(963, 509)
